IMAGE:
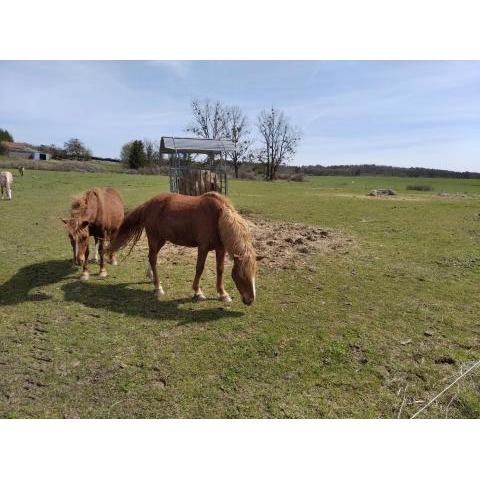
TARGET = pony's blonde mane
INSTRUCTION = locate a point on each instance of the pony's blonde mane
(236, 236)
(79, 202)
(79, 206)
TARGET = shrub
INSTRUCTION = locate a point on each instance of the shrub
(297, 177)
(247, 175)
(136, 155)
(153, 170)
(420, 188)
(76, 150)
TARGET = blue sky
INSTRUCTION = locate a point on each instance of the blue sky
(392, 113)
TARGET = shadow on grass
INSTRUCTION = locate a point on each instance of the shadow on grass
(19, 288)
(26, 284)
(122, 298)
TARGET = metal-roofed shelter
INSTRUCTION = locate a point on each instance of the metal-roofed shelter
(191, 177)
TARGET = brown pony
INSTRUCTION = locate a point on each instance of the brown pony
(208, 222)
(97, 213)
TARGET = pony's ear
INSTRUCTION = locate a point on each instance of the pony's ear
(84, 224)
(260, 257)
(63, 220)
(236, 257)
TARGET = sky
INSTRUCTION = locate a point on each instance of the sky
(399, 113)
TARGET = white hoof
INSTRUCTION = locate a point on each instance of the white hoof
(84, 276)
(114, 262)
(149, 274)
(159, 292)
(225, 298)
(103, 274)
(199, 297)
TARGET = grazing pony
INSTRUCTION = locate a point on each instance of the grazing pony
(97, 213)
(6, 182)
(208, 222)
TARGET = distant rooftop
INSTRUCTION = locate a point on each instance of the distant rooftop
(195, 145)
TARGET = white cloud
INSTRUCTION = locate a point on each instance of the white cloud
(179, 69)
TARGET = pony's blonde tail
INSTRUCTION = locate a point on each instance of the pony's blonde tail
(130, 231)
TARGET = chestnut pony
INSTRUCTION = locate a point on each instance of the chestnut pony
(208, 222)
(97, 213)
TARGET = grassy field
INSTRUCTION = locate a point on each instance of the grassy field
(374, 331)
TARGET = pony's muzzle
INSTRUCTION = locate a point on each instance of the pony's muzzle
(247, 301)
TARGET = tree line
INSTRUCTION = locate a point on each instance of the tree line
(274, 144)
(385, 171)
(267, 153)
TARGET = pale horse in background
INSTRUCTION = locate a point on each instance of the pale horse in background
(6, 183)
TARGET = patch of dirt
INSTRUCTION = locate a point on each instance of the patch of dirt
(39, 296)
(284, 245)
(381, 192)
(452, 195)
(393, 198)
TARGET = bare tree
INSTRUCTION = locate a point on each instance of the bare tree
(75, 149)
(208, 119)
(236, 130)
(216, 120)
(279, 141)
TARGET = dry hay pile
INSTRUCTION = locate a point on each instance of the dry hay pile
(284, 245)
(197, 182)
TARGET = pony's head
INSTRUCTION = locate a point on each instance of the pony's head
(78, 234)
(243, 274)
(236, 237)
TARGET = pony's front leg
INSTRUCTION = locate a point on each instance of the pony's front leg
(85, 273)
(101, 251)
(222, 294)
(202, 256)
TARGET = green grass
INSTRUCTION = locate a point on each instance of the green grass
(322, 342)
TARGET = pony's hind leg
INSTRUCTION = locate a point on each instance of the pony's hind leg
(113, 256)
(154, 246)
(95, 254)
(222, 294)
(101, 250)
(202, 256)
(113, 259)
